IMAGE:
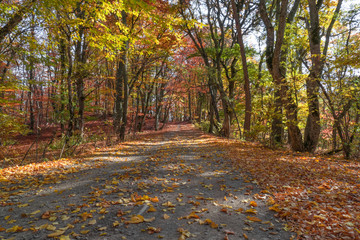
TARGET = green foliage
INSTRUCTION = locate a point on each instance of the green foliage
(10, 126)
(203, 125)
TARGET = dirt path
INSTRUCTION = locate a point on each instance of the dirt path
(172, 186)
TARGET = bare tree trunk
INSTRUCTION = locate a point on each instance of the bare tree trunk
(273, 59)
(312, 129)
(122, 91)
(247, 122)
(276, 125)
(31, 106)
(70, 94)
(126, 87)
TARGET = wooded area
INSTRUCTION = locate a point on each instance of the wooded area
(283, 73)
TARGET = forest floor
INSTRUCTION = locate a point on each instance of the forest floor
(180, 183)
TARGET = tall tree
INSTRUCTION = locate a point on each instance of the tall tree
(247, 122)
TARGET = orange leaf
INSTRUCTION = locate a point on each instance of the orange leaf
(251, 210)
(225, 210)
(155, 199)
(253, 204)
(151, 209)
(254, 219)
(275, 208)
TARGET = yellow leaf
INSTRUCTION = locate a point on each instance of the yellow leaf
(166, 216)
(23, 205)
(64, 228)
(270, 201)
(168, 204)
(102, 228)
(184, 233)
(239, 210)
(254, 219)
(103, 211)
(85, 215)
(35, 212)
(116, 223)
(7, 217)
(65, 238)
(275, 208)
(64, 217)
(214, 225)
(92, 222)
(70, 225)
(151, 209)
(50, 228)
(52, 218)
(149, 219)
(84, 232)
(76, 210)
(15, 228)
(135, 219)
(56, 234)
(252, 210)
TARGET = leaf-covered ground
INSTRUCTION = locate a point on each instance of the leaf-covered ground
(318, 197)
(174, 185)
(182, 184)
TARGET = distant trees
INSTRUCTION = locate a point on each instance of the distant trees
(281, 72)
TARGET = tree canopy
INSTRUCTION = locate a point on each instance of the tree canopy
(284, 72)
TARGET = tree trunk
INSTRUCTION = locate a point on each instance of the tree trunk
(273, 59)
(312, 129)
(70, 93)
(277, 129)
(62, 51)
(15, 19)
(247, 122)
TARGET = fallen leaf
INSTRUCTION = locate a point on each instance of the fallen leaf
(56, 234)
(135, 219)
(23, 205)
(155, 199)
(50, 228)
(168, 204)
(151, 209)
(65, 238)
(253, 219)
(253, 204)
(228, 232)
(251, 210)
(149, 219)
(92, 222)
(14, 229)
(152, 230)
(275, 208)
(35, 212)
(239, 210)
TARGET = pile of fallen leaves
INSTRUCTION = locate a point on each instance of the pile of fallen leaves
(18, 179)
(319, 197)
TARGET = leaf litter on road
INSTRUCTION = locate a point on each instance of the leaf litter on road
(176, 185)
